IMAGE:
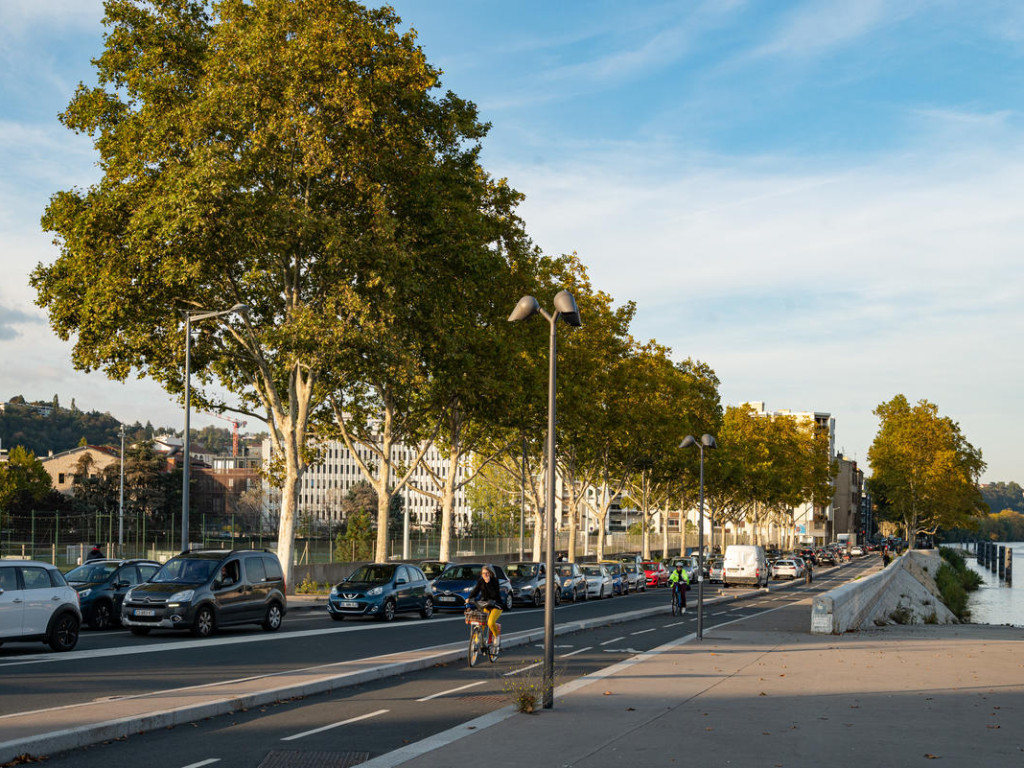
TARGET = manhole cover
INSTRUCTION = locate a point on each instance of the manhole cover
(280, 758)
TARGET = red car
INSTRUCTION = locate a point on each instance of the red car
(655, 574)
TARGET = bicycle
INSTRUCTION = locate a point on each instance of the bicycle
(480, 637)
(678, 597)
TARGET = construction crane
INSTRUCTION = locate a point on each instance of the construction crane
(235, 424)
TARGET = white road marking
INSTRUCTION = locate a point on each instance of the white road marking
(522, 669)
(211, 761)
(573, 653)
(675, 624)
(323, 728)
(613, 640)
(643, 631)
(451, 690)
(622, 650)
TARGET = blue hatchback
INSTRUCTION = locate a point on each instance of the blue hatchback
(102, 585)
(453, 586)
(382, 590)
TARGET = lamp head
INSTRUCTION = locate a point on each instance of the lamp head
(708, 441)
(526, 307)
(565, 305)
(688, 441)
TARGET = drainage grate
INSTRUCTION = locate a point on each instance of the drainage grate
(280, 758)
(483, 697)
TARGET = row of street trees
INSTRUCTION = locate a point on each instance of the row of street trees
(299, 158)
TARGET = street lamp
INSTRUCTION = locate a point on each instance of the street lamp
(189, 317)
(706, 441)
(565, 307)
(120, 509)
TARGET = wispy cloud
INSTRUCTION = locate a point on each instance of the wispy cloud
(9, 318)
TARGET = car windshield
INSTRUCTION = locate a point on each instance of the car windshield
(186, 570)
(431, 570)
(592, 570)
(650, 566)
(521, 570)
(461, 572)
(372, 574)
(565, 570)
(91, 572)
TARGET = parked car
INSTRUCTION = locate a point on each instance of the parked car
(456, 582)
(382, 590)
(599, 580)
(635, 577)
(37, 605)
(715, 570)
(856, 550)
(745, 564)
(572, 584)
(102, 585)
(433, 568)
(690, 564)
(203, 590)
(620, 585)
(529, 583)
(655, 574)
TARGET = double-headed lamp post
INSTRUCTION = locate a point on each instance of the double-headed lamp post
(565, 307)
(706, 441)
(187, 448)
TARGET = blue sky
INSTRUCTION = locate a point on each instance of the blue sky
(823, 200)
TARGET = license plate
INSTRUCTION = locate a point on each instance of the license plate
(144, 612)
(446, 599)
(348, 604)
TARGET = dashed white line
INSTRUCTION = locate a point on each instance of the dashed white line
(323, 728)
(676, 624)
(613, 640)
(211, 761)
(522, 669)
(451, 690)
(573, 653)
(642, 631)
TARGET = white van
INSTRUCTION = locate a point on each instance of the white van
(745, 564)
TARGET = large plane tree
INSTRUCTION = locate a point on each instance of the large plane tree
(294, 156)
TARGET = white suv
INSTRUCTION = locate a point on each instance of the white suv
(37, 604)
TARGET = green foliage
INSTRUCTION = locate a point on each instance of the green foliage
(924, 471)
(1000, 496)
(355, 543)
(24, 481)
(1007, 525)
(61, 430)
(952, 591)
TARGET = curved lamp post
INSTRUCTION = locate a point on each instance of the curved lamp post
(187, 448)
(706, 441)
(565, 307)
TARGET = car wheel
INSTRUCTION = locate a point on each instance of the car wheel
(536, 598)
(205, 622)
(273, 617)
(337, 616)
(558, 597)
(387, 611)
(428, 608)
(102, 616)
(508, 601)
(139, 631)
(63, 634)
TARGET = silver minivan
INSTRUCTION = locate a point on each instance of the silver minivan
(745, 564)
(36, 604)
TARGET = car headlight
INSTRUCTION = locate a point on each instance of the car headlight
(84, 593)
(527, 589)
(567, 583)
(181, 597)
(375, 591)
(334, 591)
(467, 590)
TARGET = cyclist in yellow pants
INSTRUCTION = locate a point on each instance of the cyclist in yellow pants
(489, 592)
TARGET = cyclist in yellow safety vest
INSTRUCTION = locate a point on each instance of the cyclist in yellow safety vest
(674, 579)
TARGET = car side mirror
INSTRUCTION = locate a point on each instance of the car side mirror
(121, 584)
(400, 581)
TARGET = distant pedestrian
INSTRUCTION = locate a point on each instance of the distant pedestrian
(885, 558)
(95, 553)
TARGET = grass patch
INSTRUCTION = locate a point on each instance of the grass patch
(902, 615)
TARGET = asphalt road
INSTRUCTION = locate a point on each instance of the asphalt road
(351, 723)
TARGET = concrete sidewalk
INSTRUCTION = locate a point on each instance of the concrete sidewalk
(765, 692)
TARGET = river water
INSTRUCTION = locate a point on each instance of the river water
(995, 602)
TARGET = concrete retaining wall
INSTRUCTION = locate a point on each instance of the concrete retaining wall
(903, 592)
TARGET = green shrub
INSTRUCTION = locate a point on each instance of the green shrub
(952, 592)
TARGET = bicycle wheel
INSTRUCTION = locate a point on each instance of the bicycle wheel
(474, 644)
(675, 604)
(492, 652)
